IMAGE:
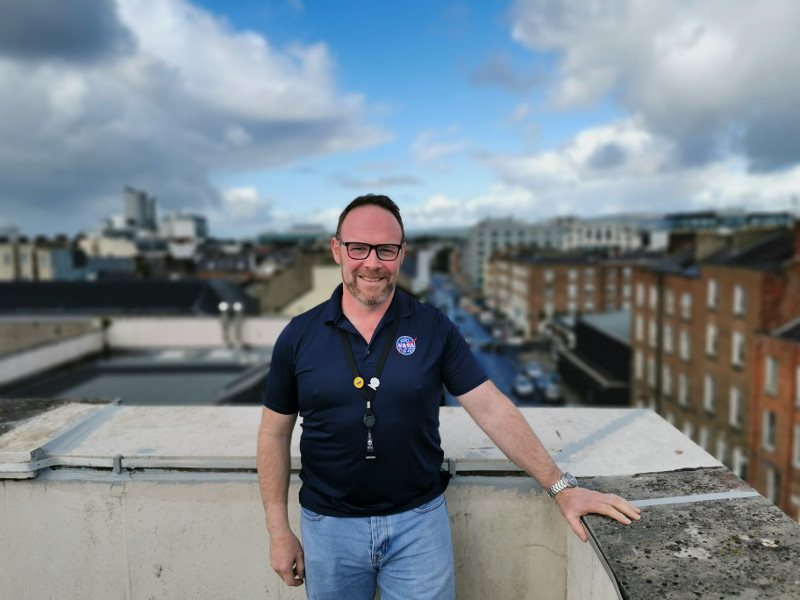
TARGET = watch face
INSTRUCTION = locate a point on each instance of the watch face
(571, 479)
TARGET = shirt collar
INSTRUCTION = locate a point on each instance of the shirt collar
(333, 310)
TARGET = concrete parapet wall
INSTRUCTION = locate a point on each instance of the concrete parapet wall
(187, 332)
(23, 364)
(163, 502)
(70, 537)
(17, 335)
(207, 539)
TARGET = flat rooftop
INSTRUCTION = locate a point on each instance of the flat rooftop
(174, 376)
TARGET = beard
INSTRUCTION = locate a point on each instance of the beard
(372, 296)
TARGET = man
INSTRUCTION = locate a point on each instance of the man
(365, 370)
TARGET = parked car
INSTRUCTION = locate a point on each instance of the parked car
(552, 393)
(523, 387)
(533, 370)
(548, 386)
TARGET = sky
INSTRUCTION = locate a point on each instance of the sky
(266, 114)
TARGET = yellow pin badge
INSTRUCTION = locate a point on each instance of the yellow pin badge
(358, 382)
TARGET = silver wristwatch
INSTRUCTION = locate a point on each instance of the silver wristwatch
(567, 480)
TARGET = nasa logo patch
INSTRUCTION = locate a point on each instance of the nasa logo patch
(406, 345)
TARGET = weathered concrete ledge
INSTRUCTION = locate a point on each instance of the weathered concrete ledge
(152, 501)
(705, 534)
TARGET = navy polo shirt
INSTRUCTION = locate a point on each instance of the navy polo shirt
(309, 375)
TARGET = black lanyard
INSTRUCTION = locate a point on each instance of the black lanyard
(368, 388)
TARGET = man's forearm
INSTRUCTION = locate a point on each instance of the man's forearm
(273, 463)
(507, 428)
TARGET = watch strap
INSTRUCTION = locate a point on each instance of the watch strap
(560, 485)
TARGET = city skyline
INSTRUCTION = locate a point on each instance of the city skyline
(264, 115)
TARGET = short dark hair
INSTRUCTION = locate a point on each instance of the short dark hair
(372, 200)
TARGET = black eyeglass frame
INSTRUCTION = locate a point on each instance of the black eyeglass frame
(376, 247)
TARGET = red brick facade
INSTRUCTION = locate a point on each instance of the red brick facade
(702, 364)
(528, 292)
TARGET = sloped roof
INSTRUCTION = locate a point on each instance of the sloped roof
(767, 253)
(615, 324)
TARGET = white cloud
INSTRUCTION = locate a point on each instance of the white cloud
(443, 211)
(716, 77)
(244, 203)
(710, 93)
(621, 167)
(185, 96)
(428, 147)
(520, 112)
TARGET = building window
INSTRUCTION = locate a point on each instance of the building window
(722, 450)
(668, 339)
(653, 297)
(652, 330)
(627, 272)
(768, 430)
(572, 290)
(773, 485)
(685, 345)
(711, 340)
(639, 327)
(708, 393)
(796, 447)
(666, 380)
(651, 371)
(588, 306)
(548, 275)
(686, 306)
(797, 388)
(735, 407)
(771, 375)
(638, 364)
(669, 302)
(737, 349)
(640, 294)
(572, 274)
(683, 390)
(740, 463)
(588, 273)
(688, 430)
(712, 300)
(626, 290)
(702, 439)
(739, 300)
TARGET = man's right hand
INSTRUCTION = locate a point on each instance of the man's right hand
(286, 558)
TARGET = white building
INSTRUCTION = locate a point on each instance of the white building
(140, 208)
(184, 225)
(563, 233)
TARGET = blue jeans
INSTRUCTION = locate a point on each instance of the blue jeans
(408, 555)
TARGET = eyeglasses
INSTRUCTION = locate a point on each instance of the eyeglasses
(360, 250)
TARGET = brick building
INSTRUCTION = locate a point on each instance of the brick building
(704, 321)
(775, 438)
(529, 288)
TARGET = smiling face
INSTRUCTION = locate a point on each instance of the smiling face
(370, 281)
